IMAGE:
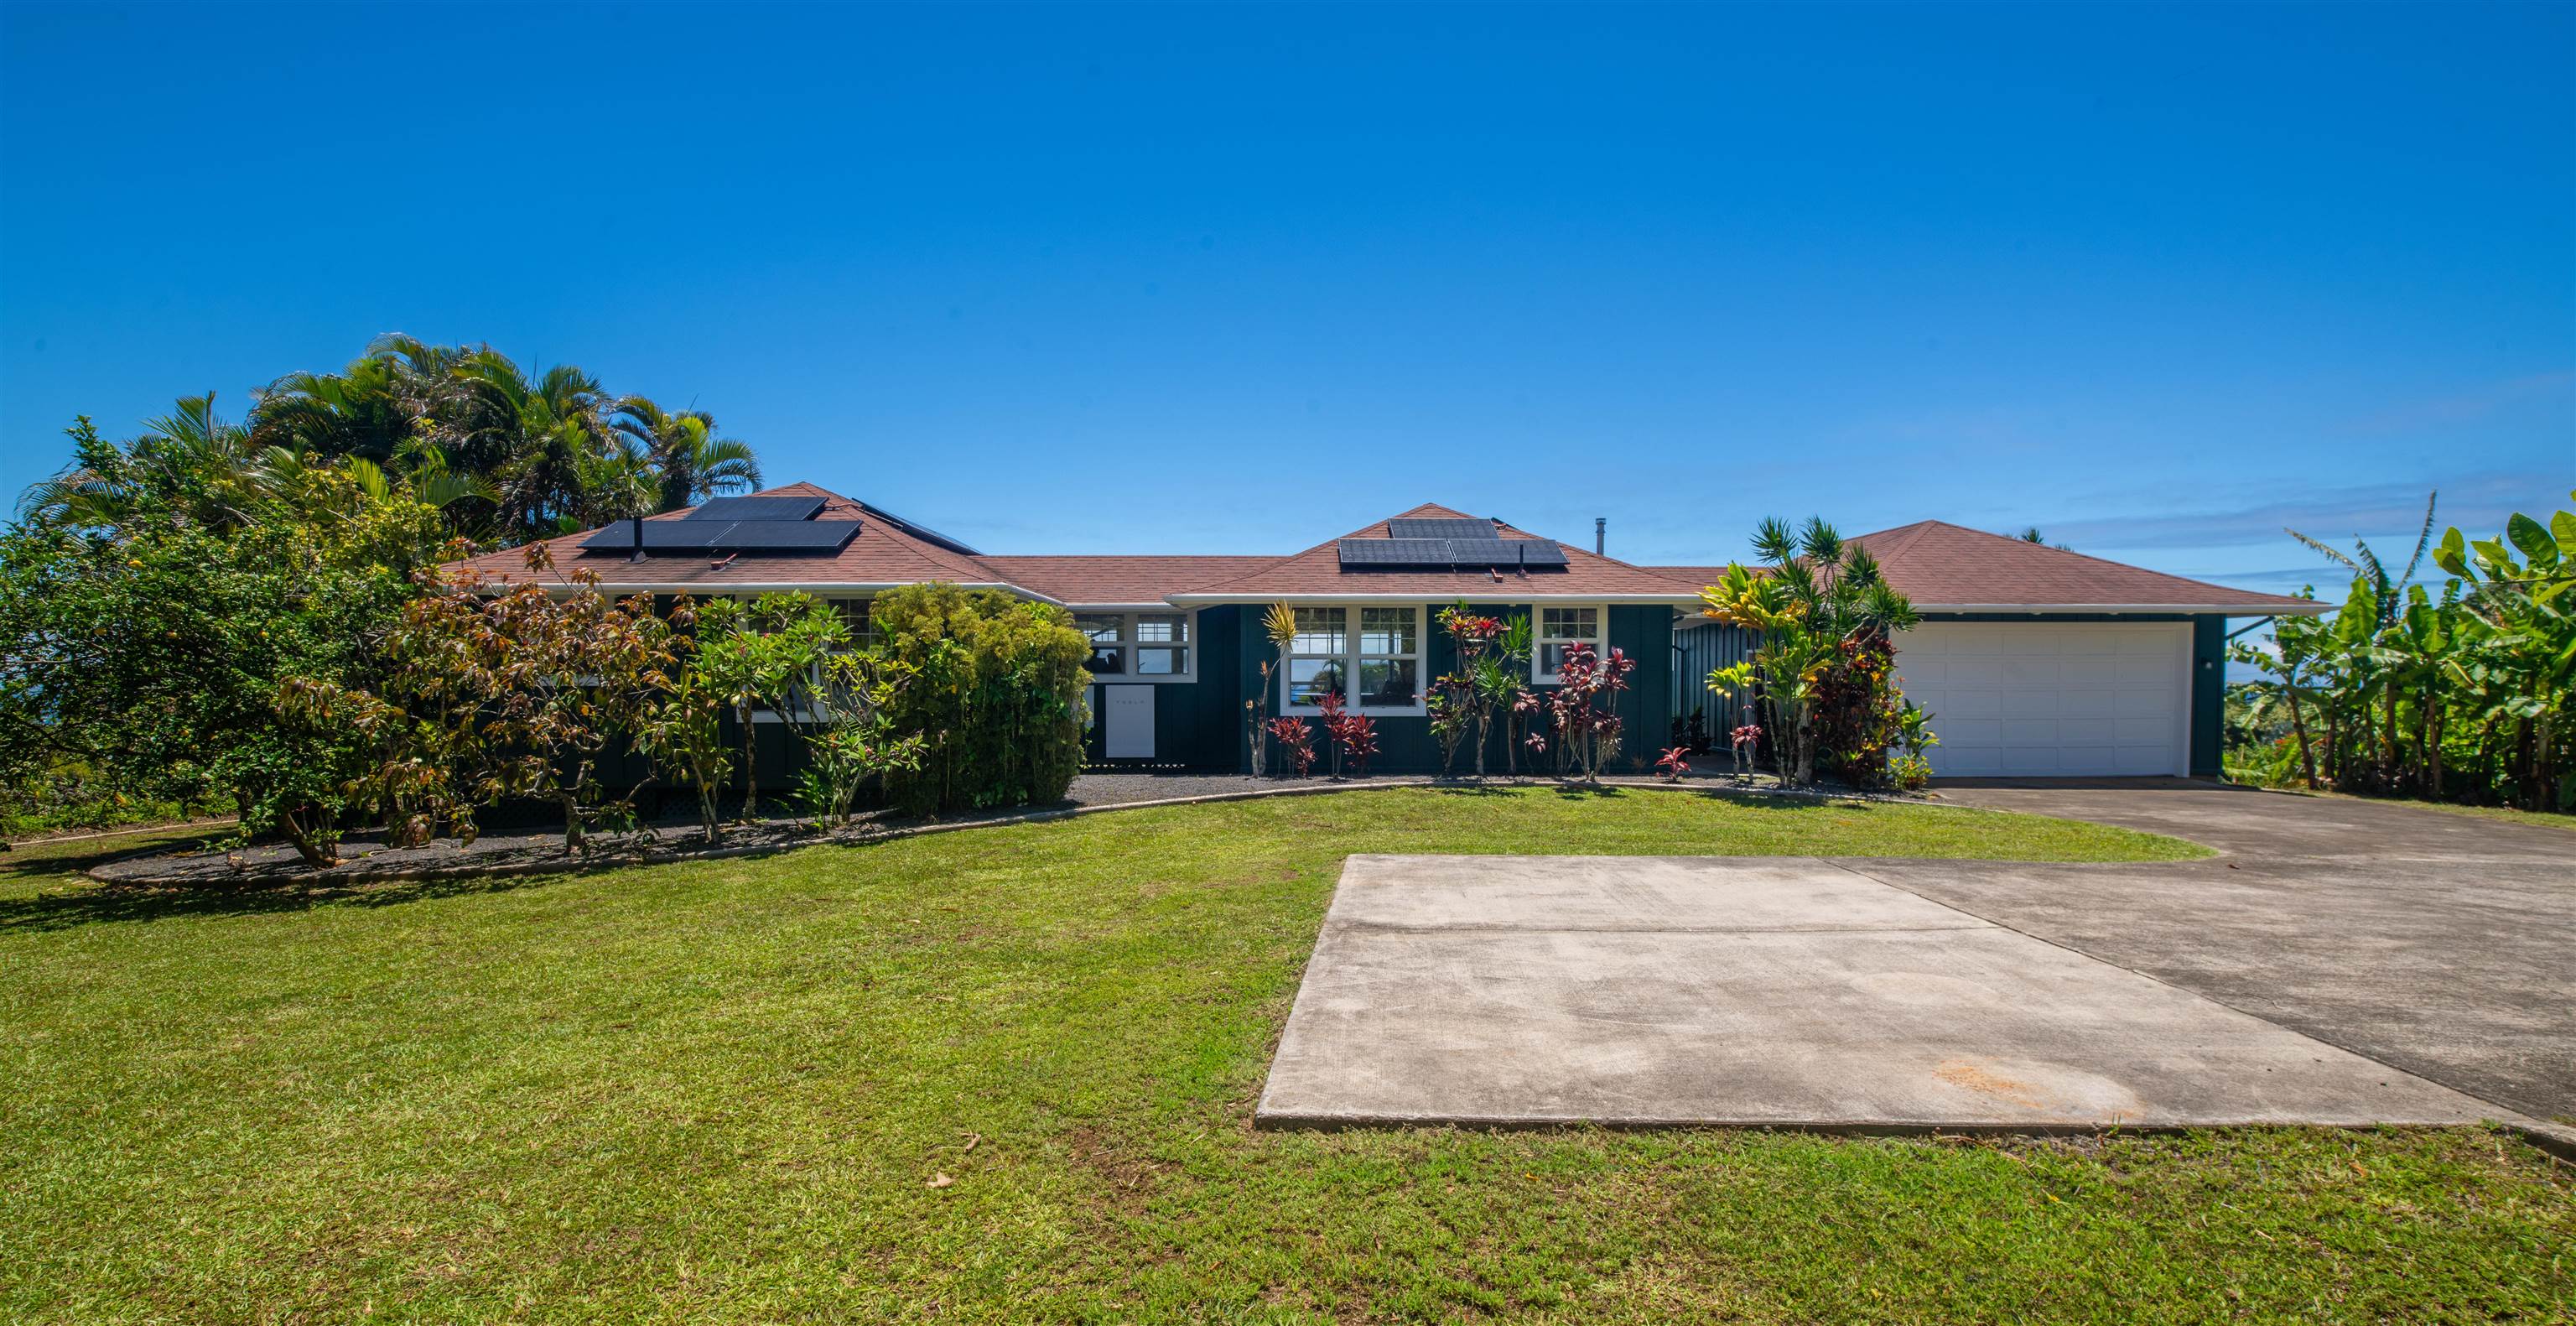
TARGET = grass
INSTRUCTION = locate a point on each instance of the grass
(2504, 814)
(727, 1091)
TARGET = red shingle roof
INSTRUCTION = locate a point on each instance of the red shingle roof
(1940, 566)
(1318, 571)
(882, 554)
(1946, 567)
(1118, 580)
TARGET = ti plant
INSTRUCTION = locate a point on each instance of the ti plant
(1280, 625)
(1824, 618)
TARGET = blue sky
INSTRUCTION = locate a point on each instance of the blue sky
(2160, 281)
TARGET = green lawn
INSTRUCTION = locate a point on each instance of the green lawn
(724, 1091)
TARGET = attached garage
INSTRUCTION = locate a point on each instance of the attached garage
(2053, 699)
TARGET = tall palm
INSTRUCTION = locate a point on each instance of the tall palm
(538, 438)
(690, 462)
(190, 464)
(367, 410)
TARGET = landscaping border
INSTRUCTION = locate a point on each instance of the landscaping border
(869, 837)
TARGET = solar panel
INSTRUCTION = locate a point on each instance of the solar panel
(1507, 552)
(757, 508)
(1450, 552)
(1395, 552)
(1444, 527)
(684, 536)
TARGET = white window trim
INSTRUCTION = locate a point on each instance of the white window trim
(1539, 640)
(1350, 656)
(1128, 644)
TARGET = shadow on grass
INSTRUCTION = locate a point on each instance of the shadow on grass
(86, 902)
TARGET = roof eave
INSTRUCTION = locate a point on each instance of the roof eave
(2297, 608)
(1502, 593)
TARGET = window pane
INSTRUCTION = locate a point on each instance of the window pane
(1387, 681)
(1311, 679)
(1551, 659)
(1570, 624)
(1163, 629)
(1108, 662)
(1386, 631)
(1103, 628)
(1321, 631)
(1162, 661)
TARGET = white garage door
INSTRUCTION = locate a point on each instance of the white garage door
(2040, 699)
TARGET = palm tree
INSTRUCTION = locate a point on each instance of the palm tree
(538, 439)
(690, 463)
(190, 463)
(367, 410)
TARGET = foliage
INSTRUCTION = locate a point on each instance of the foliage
(1279, 624)
(1585, 707)
(505, 452)
(1825, 618)
(1673, 763)
(187, 621)
(994, 686)
(1909, 772)
(683, 731)
(2461, 693)
(1295, 741)
(851, 743)
(1353, 736)
(1493, 658)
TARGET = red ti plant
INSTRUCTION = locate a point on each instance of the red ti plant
(1353, 735)
(1295, 742)
(1674, 764)
(1586, 706)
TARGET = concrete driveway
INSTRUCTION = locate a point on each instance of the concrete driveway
(2342, 962)
(2440, 943)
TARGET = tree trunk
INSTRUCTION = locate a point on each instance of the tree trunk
(2299, 729)
(306, 844)
(750, 766)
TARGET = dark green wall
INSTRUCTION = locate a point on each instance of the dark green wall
(1404, 743)
(1197, 724)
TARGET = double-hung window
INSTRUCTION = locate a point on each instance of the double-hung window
(1558, 628)
(1371, 656)
(1137, 646)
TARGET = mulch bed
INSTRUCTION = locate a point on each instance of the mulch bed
(364, 856)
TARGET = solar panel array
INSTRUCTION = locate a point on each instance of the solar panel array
(696, 535)
(1450, 552)
(756, 508)
(1441, 527)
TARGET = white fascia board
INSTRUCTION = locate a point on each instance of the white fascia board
(817, 588)
(1482, 594)
(2189, 609)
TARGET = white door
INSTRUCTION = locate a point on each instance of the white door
(1129, 722)
(2042, 699)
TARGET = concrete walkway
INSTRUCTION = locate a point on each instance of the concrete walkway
(2346, 962)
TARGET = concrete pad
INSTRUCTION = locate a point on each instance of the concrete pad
(1764, 991)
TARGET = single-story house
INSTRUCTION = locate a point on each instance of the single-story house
(2034, 661)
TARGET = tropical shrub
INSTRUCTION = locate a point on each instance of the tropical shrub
(1585, 707)
(2458, 693)
(1825, 618)
(189, 621)
(1354, 736)
(1295, 742)
(993, 687)
(1673, 763)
